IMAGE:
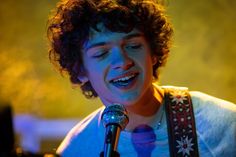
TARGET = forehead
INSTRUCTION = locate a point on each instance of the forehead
(107, 36)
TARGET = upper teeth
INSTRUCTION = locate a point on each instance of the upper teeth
(123, 78)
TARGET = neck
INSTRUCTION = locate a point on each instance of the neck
(146, 111)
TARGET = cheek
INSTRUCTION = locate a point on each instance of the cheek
(146, 66)
(91, 66)
(96, 72)
(145, 60)
(97, 78)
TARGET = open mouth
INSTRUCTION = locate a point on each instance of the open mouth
(124, 81)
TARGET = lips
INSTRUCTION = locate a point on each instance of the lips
(124, 81)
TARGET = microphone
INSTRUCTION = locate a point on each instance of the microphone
(115, 119)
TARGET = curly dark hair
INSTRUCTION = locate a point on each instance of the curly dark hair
(69, 27)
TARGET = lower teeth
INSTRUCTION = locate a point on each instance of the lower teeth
(123, 83)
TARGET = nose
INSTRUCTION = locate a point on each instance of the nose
(121, 60)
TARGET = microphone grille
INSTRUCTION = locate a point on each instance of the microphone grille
(115, 114)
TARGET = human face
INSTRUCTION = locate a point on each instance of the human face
(118, 66)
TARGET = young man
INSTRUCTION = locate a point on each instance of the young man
(113, 50)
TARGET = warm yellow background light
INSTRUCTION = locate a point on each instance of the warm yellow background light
(202, 58)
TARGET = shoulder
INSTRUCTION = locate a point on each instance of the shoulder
(209, 109)
(211, 112)
(75, 139)
(215, 122)
(213, 107)
(208, 104)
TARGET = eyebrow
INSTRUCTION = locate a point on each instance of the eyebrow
(104, 43)
(133, 36)
(95, 45)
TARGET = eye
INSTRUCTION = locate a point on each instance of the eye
(100, 53)
(133, 46)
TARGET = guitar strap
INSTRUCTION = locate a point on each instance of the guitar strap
(181, 123)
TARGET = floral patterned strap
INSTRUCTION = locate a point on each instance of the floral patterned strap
(181, 123)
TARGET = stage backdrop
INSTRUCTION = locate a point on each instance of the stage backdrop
(202, 57)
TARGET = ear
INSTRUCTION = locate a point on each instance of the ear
(83, 79)
(82, 76)
(154, 59)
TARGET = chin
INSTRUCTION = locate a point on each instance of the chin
(127, 100)
(129, 103)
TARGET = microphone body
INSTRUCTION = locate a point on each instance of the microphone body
(114, 119)
(111, 140)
